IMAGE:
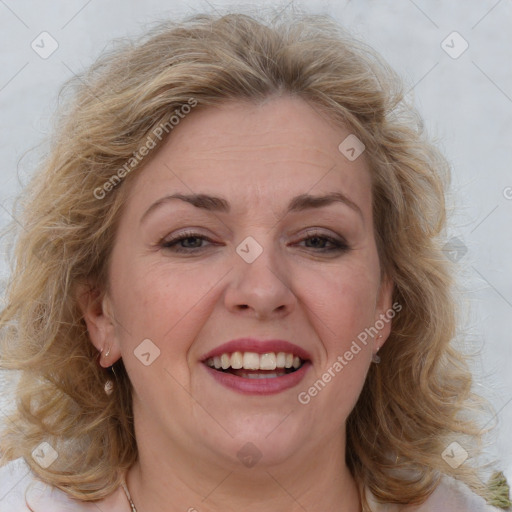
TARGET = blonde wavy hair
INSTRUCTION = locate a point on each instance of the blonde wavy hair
(417, 401)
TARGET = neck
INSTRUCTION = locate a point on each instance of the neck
(174, 480)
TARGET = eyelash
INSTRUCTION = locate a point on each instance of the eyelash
(339, 245)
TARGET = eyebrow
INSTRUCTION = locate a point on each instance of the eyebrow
(218, 204)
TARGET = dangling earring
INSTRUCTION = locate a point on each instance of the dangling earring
(109, 383)
(109, 387)
(375, 357)
(100, 354)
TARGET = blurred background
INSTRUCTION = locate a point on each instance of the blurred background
(455, 58)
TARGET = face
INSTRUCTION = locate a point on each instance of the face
(260, 262)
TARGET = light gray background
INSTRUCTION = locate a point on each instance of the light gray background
(466, 103)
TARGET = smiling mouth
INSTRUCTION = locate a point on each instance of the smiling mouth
(250, 365)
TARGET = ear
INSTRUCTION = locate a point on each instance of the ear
(96, 308)
(385, 310)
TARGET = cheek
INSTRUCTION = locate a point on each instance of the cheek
(162, 304)
(343, 304)
(343, 300)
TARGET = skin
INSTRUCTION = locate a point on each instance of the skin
(189, 428)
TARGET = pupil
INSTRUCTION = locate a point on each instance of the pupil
(191, 238)
(317, 239)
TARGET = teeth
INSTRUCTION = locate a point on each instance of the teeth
(225, 361)
(236, 360)
(263, 375)
(281, 360)
(268, 361)
(251, 361)
(254, 361)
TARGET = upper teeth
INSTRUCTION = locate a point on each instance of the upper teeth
(254, 361)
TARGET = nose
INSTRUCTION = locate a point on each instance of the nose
(261, 289)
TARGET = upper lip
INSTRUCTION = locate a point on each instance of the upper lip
(259, 347)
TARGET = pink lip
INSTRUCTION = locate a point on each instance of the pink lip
(258, 346)
(259, 386)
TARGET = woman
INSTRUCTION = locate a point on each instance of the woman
(230, 290)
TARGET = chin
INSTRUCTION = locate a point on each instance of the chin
(266, 440)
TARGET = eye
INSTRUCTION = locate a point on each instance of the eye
(319, 240)
(191, 241)
(186, 242)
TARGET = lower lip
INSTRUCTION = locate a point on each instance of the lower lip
(260, 386)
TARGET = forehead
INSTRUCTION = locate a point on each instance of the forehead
(254, 154)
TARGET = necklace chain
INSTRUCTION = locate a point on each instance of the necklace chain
(127, 492)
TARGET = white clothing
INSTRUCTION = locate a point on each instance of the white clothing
(21, 491)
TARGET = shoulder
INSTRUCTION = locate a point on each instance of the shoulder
(21, 491)
(451, 494)
(15, 478)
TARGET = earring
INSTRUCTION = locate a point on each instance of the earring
(109, 383)
(375, 357)
(109, 387)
